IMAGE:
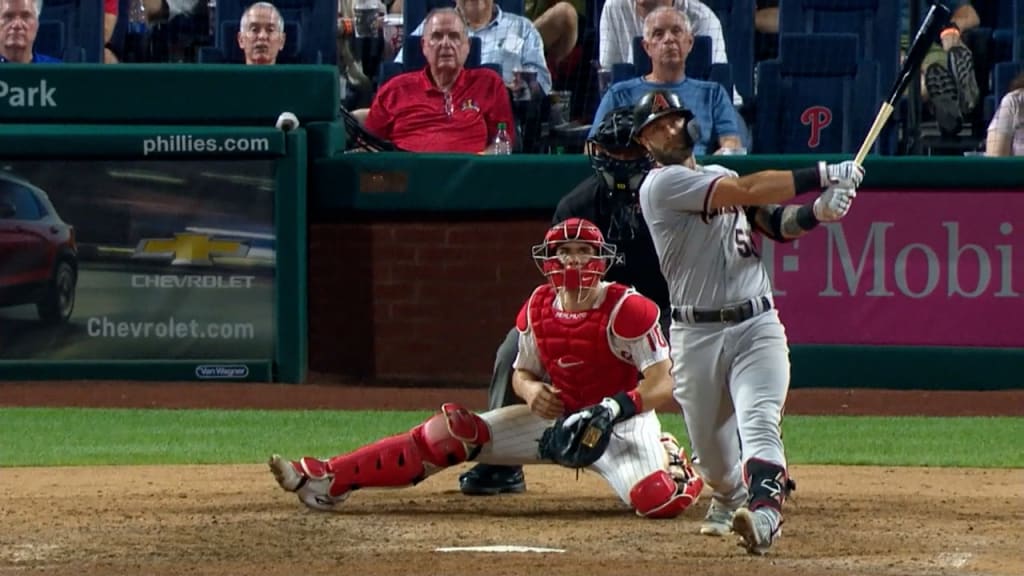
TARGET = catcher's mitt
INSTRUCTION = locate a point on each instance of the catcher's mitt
(580, 443)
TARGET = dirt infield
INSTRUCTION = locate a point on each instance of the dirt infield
(221, 520)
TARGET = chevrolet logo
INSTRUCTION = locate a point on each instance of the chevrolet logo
(187, 249)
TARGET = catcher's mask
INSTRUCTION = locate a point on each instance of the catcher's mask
(660, 103)
(566, 264)
(618, 159)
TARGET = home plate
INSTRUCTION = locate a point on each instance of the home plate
(500, 549)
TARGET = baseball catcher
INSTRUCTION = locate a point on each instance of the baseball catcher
(582, 343)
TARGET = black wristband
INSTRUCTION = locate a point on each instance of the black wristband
(805, 217)
(627, 405)
(806, 180)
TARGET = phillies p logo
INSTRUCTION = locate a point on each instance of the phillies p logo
(818, 117)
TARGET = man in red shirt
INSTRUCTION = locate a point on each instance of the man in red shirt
(445, 107)
(109, 21)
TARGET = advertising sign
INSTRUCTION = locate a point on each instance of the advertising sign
(913, 267)
(137, 260)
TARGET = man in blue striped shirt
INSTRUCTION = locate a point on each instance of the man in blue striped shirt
(507, 39)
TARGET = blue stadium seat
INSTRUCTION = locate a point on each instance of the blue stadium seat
(83, 28)
(737, 18)
(50, 39)
(813, 98)
(317, 20)
(230, 53)
(874, 22)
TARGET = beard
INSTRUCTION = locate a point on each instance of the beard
(674, 151)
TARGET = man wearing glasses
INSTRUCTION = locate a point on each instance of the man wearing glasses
(445, 107)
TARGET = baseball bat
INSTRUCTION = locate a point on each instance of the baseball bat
(937, 17)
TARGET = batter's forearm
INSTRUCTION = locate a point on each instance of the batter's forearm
(768, 186)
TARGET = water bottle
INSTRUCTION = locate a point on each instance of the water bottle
(502, 144)
(137, 18)
(211, 13)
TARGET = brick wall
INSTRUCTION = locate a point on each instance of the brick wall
(416, 300)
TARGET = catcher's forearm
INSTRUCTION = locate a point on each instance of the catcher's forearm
(522, 380)
(656, 387)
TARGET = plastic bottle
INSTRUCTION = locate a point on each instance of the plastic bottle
(137, 17)
(211, 12)
(502, 143)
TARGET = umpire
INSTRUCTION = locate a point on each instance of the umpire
(607, 198)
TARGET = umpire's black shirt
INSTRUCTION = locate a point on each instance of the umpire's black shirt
(637, 261)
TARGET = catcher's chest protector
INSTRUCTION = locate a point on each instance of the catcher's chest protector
(575, 348)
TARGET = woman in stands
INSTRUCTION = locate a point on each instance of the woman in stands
(1006, 131)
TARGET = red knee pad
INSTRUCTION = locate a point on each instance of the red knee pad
(659, 496)
(451, 437)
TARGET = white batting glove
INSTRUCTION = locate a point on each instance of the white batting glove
(835, 201)
(609, 404)
(849, 171)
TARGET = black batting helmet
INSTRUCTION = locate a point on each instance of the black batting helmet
(658, 104)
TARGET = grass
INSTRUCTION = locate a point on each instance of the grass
(76, 436)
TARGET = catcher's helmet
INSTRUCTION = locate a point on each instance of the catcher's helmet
(614, 135)
(572, 273)
(658, 104)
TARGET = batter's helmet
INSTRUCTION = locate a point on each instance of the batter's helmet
(660, 103)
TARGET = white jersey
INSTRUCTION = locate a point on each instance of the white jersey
(642, 352)
(708, 259)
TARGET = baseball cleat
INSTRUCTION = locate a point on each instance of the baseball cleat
(718, 521)
(757, 530)
(308, 478)
(490, 480)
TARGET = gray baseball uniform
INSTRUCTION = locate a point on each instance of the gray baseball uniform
(729, 377)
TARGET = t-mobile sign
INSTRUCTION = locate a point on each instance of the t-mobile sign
(913, 267)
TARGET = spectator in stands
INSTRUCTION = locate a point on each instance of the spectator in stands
(557, 21)
(949, 82)
(508, 40)
(445, 107)
(668, 40)
(766, 29)
(109, 23)
(158, 10)
(261, 34)
(622, 20)
(1006, 131)
(357, 88)
(19, 24)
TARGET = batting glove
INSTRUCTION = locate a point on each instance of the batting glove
(849, 171)
(835, 201)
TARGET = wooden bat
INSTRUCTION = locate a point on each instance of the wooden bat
(937, 17)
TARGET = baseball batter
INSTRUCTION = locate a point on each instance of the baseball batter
(581, 344)
(730, 356)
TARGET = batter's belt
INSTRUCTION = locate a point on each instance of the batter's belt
(728, 315)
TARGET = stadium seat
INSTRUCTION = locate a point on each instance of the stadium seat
(874, 22)
(812, 99)
(230, 53)
(83, 28)
(1003, 73)
(50, 39)
(737, 18)
(317, 20)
